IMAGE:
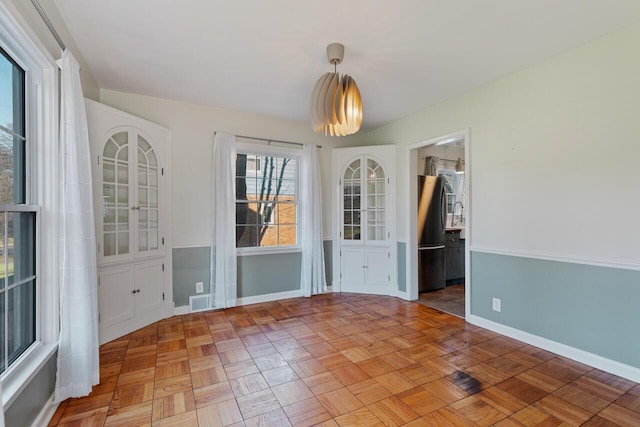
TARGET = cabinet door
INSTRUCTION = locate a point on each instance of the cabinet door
(148, 287)
(147, 196)
(377, 270)
(115, 297)
(352, 268)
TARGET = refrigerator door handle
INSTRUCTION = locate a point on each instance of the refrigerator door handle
(431, 248)
(443, 209)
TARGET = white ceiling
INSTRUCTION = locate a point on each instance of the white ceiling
(265, 55)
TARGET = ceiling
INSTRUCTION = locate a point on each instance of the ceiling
(265, 56)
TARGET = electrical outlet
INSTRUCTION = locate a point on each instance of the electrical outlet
(497, 304)
(199, 287)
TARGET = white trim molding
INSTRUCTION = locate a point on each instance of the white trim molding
(626, 371)
(257, 299)
(546, 257)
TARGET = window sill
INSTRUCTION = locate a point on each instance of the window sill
(267, 251)
(19, 375)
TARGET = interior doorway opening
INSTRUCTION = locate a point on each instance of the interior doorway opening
(439, 219)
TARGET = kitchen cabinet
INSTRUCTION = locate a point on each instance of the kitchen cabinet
(454, 257)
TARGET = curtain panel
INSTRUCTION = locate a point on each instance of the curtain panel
(312, 280)
(224, 282)
(78, 359)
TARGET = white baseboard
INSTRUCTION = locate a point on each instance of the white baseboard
(183, 309)
(622, 370)
(269, 297)
(46, 413)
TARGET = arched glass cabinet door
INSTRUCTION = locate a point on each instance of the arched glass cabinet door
(116, 225)
(352, 202)
(363, 198)
(147, 207)
(375, 210)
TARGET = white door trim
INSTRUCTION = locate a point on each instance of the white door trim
(410, 218)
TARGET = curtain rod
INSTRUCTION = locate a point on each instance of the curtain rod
(268, 140)
(48, 23)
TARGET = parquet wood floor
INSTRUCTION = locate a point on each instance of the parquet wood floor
(341, 360)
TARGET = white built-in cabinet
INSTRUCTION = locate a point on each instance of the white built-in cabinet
(132, 217)
(364, 250)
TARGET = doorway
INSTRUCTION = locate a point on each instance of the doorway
(448, 159)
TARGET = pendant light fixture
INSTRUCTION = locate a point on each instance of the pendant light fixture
(460, 166)
(336, 105)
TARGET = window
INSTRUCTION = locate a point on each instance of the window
(29, 191)
(266, 201)
(17, 221)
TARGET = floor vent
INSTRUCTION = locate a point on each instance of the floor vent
(199, 303)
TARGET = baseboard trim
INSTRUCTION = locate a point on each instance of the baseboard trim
(46, 413)
(180, 310)
(622, 370)
(257, 299)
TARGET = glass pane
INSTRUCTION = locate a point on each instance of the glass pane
(109, 216)
(348, 220)
(142, 197)
(143, 219)
(123, 173)
(123, 243)
(268, 235)
(21, 319)
(110, 150)
(143, 144)
(153, 219)
(247, 213)
(109, 244)
(287, 235)
(142, 175)
(12, 100)
(152, 158)
(108, 172)
(142, 241)
(21, 228)
(109, 227)
(286, 213)
(2, 335)
(123, 216)
(371, 233)
(153, 198)
(4, 252)
(356, 202)
(142, 158)
(246, 236)
(153, 177)
(121, 138)
(153, 240)
(123, 195)
(12, 173)
(123, 154)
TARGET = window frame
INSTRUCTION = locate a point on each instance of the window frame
(41, 191)
(276, 151)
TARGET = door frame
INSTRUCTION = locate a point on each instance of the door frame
(339, 161)
(412, 221)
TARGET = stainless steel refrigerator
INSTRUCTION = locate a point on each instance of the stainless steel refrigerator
(432, 216)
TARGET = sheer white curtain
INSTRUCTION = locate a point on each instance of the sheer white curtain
(224, 281)
(78, 365)
(312, 280)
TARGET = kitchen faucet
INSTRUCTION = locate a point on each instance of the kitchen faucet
(453, 212)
